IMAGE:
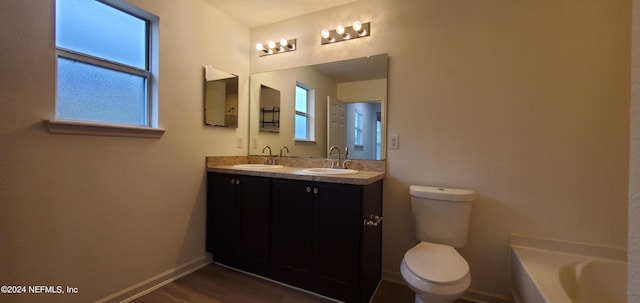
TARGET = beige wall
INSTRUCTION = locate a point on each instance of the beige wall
(104, 213)
(359, 91)
(526, 102)
(634, 181)
(285, 82)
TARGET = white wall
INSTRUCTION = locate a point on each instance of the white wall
(526, 102)
(104, 213)
(633, 278)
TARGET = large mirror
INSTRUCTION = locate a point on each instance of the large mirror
(339, 104)
(220, 98)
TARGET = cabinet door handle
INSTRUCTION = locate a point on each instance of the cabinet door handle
(372, 220)
(233, 181)
(308, 189)
(315, 190)
(237, 181)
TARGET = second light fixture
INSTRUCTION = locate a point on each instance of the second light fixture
(342, 33)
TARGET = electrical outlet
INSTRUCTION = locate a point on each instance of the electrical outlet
(254, 143)
(239, 142)
(394, 142)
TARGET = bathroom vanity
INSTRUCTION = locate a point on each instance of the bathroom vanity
(319, 233)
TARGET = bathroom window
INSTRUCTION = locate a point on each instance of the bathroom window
(304, 113)
(107, 63)
(358, 128)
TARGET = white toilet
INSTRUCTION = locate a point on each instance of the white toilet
(433, 269)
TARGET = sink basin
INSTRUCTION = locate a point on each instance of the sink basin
(329, 171)
(257, 166)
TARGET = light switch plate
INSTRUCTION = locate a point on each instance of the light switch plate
(394, 142)
(239, 142)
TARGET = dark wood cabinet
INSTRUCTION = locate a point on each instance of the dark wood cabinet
(314, 236)
(238, 221)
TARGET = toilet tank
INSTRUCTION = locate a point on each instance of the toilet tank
(441, 215)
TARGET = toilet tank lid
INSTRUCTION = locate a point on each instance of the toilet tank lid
(441, 193)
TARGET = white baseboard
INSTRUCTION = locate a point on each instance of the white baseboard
(394, 277)
(146, 286)
(471, 294)
(484, 297)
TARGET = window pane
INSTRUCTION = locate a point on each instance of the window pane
(99, 30)
(89, 92)
(301, 99)
(301, 127)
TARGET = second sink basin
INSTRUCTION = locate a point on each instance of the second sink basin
(329, 171)
(257, 166)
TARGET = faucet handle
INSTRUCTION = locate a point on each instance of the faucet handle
(346, 161)
(283, 148)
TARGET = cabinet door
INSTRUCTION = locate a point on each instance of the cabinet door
(253, 196)
(336, 258)
(221, 217)
(291, 237)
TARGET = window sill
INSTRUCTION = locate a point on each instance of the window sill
(68, 127)
(300, 141)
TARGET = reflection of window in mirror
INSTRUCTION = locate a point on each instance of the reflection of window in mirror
(358, 128)
(304, 113)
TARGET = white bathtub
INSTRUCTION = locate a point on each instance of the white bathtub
(545, 276)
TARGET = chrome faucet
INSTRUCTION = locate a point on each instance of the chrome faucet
(268, 160)
(282, 148)
(346, 156)
(333, 164)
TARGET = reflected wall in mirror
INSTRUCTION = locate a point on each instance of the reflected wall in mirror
(337, 90)
(220, 98)
(269, 109)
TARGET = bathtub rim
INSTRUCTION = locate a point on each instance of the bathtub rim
(561, 252)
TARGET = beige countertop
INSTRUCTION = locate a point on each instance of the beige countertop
(296, 173)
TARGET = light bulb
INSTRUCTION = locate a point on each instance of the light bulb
(284, 42)
(324, 34)
(271, 44)
(260, 47)
(357, 26)
(340, 30)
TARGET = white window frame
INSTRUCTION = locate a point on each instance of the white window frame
(152, 129)
(358, 128)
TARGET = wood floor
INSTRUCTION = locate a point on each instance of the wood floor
(218, 284)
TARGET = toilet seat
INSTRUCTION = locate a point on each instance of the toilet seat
(436, 263)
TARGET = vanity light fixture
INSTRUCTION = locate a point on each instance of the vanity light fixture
(342, 33)
(272, 48)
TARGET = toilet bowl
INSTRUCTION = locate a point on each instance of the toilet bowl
(436, 273)
(433, 269)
